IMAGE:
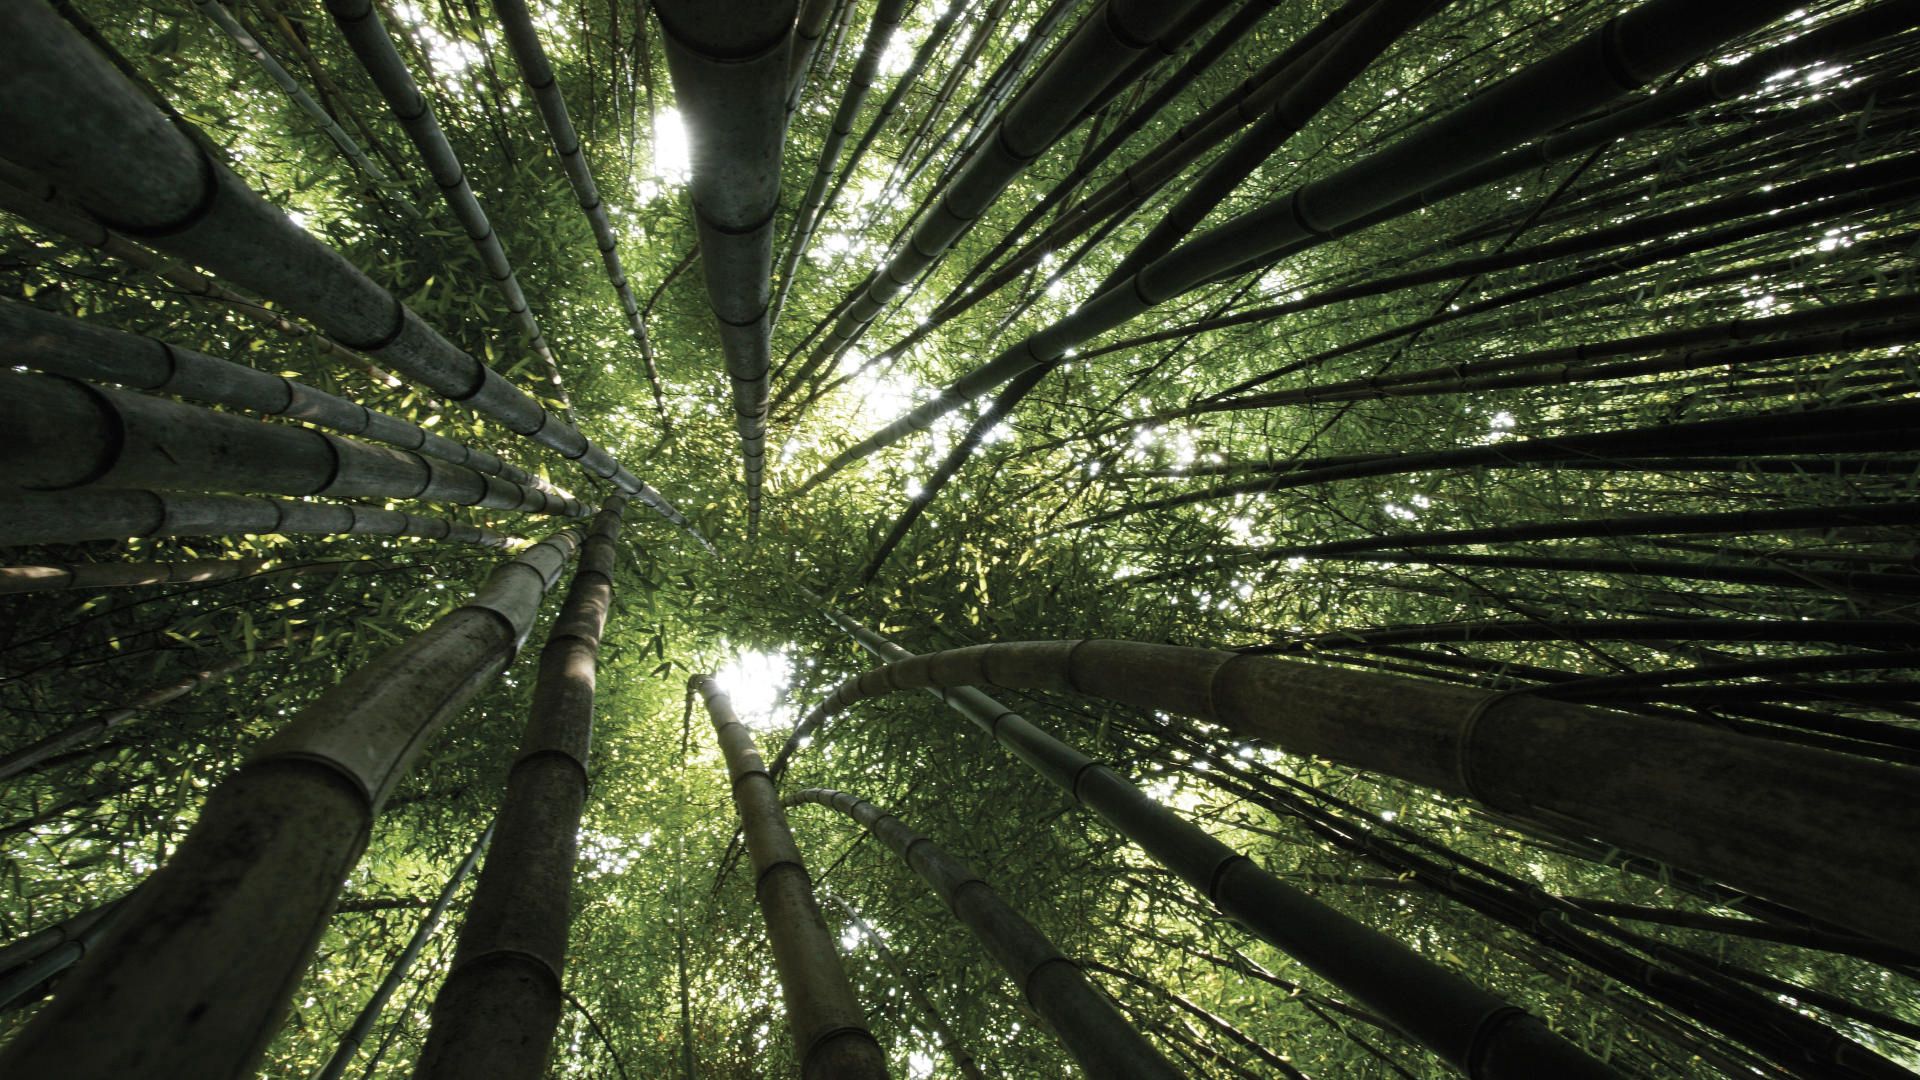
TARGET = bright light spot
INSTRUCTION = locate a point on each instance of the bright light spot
(919, 1064)
(754, 682)
(899, 55)
(672, 156)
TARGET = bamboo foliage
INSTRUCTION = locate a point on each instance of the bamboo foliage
(1679, 793)
(829, 1033)
(188, 205)
(496, 1013)
(730, 65)
(1085, 1022)
(949, 1042)
(200, 965)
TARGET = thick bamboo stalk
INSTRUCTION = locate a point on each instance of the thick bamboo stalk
(116, 439)
(1082, 1019)
(962, 1059)
(538, 75)
(71, 517)
(360, 24)
(1630, 50)
(90, 576)
(730, 67)
(1470, 1029)
(362, 1026)
(31, 756)
(1111, 36)
(1836, 841)
(195, 974)
(495, 1015)
(53, 84)
(62, 346)
(829, 1032)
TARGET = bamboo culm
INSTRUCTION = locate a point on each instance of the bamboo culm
(496, 1013)
(1472, 1030)
(198, 971)
(1082, 1019)
(830, 1034)
(1834, 847)
(53, 83)
(116, 439)
(97, 514)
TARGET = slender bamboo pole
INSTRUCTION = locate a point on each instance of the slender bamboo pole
(194, 977)
(730, 64)
(117, 439)
(52, 83)
(1470, 1029)
(71, 517)
(362, 1026)
(1835, 844)
(109, 575)
(962, 1060)
(360, 24)
(495, 1015)
(538, 74)
(829, 1032)
(1082, 1019)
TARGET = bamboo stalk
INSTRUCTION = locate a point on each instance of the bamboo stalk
(52, 83)
(71, 517)
(1472, 1030)
(496, 1014)
(1835, 844)
(962, 1060)
(730, 65)
(538, 74)
(829, 1032)
(1084, 1021)
(78, 349)
(360, 24)
(196, 974)
(116, 439)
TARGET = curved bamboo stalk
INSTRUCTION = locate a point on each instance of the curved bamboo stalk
(1836, 844)
(217, 12)
(360, 24)
(71, 517)
(31, 756)
(806, 217)
(62, 346)
(962, 1060)
(1627, 52)
(730, 67)
(1082, 1019)
(117, 439)
(1111, 36)
(829, 1032)
(52, 84)
(197, 971)
(539, 77)
(495, 1015)
(1472, 1030)
(362, 1026)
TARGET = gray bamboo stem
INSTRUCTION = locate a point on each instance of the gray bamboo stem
(71, 517)
(495, 1015)
(1084, 1021)
(193, 979)
(830, 1033)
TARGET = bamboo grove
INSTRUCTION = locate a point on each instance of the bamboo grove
(859, 538)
